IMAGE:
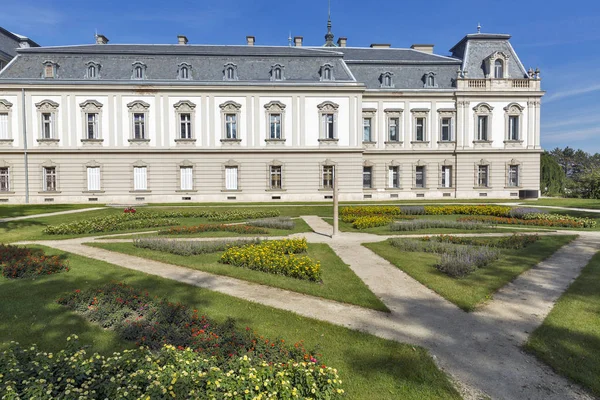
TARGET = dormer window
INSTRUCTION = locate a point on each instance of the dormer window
(50, 70)
(277, 72)
(139, 71)
(230, 72)
(184, 72)
(92, 70)
(327, 72)
(429, 80)
(498, 69)
(386, 80)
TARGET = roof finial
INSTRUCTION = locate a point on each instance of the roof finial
(290, 39)
(478, 27)
(329, 35)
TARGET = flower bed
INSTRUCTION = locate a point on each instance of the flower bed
(111, 223)
(23, 262)
(274, 223)
(371, 221)
(436, 224)
(154, 322)
(167, 373)
(498, 211)
(515, 241)
(569, 222)
(275, 257)
(582, 222)
(188, 230)
(189, 248)
(361, 211)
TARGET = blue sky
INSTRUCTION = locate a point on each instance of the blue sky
(562, 39)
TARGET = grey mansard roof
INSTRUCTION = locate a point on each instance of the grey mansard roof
(302, 65)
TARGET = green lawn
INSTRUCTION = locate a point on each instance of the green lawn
(569, 338)
(8, 211)
(565, 202)
(370, 367)
(479, 286)
(339, 281)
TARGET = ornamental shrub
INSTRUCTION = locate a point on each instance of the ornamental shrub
(435, 224)
(153, 322)
(274, 223)
(29, 373)
(416, 245)
(515, 241)
(553, 222)
(413, 210)
(519, 212)
(275, 257)
(466, 260)
(238, 228)
(582, 222)
(10, 252)
(361, 211)
(33, 265)
(371, 221)
(499, 211)
(189, 248)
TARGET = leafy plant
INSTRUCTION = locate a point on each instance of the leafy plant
(371, 221)
(274, 223)
(22, 262)
(189, 248)
(515, 241)
(554, 221)
(238, 228)
(434, 224)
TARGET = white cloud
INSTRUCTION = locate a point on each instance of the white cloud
(559, 95)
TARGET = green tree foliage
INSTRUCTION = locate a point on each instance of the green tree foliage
(552, 176)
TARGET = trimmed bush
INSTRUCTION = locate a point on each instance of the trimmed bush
(515, 241)
(29, 373)
(275, 257)
(466, 260)
(238, 228)
(274, 223)
(553, 222)
(434, 224)
(189, 248)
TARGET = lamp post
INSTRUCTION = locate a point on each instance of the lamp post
(335, 202)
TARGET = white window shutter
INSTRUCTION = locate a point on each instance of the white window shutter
(93, 178)
(4, 126)
(139, 178)
(186, 178)
(391, 177)
(231, 178)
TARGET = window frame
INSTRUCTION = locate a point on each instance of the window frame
(99, 180)
(486, 111)
(491, 65)
(326, 73)
(188, 71)
(390, 115)
(275, 169)
(326, 109)
(481, 166)
(49, 171)
(230, 72)
(6, 108)
(139, 107)
(47, 107)
(368, 176)
(386, 80)
(449, 114)
(182, 186)
(141, 167)
(420, 114)
(446, 176)
(327, 176)
(277, 69)
(230, 108)
(513, 110)
(227, 166)
(423, 173)
(89, 107)
(181, 108)
(5, 181)
(430, 80)
(275, 108)
(393, 169)
(50, 70)
(95, 66)
(140, 67)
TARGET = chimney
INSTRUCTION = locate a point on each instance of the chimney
(298, 41)
(381, 46)
(342, 41)
(181, 39)
(250, 40)
(425, 48)
(101, 39)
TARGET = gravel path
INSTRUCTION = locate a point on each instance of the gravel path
(480, 350)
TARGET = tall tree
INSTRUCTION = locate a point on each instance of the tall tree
(552, 176)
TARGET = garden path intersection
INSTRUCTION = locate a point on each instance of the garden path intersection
(480, 350)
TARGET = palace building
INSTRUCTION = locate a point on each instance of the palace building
(118, 123)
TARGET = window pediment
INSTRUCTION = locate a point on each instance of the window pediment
(420, 163)
(483, 161)
(276, 163)
(231, 163)
(50, 69)
(483, 108)
(47, 105)
(328, 106)
(514, 108)
(230, 106)
(186, 163)
(91, 105)
(49, 164)
(184, 105)
(138, 105)
(498, 55)
(275, 106)
(420, 112)
(92, 164)
(5, 105)
(139, 164)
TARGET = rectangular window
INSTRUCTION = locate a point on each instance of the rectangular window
(394, 177)
(393, 129)
(49, 71)
(420, 176)
(4, 180)
(482, 127)
(93, 178)
(446, 133)
(275, 177)
(139, 126)
(328, 126)
(50, 179)
(4, 126)
(140, 178)
(367, 177)
(231, 178)
(185, 126)
(446, 176)
(231, 126)
(513, 175)
(186, 178)
(92, 126)
(367, 130)
(47, 126)
(328, 171)
(482, 176)
(513, 127)
(275, 126)
(420, 129)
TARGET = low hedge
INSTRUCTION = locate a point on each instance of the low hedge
(238, 228)
(29, 373)
(189, 248)
(436, 224)
(22, 262)
(515, 241)
(275, 257)
(274, 223)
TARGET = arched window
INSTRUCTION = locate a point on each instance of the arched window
(388, 81)
(92, 71)
(277, 72)
(184, 73)
(327, 74)
(230, 73)
(139, 72)
(430, 81)
(498, 69)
